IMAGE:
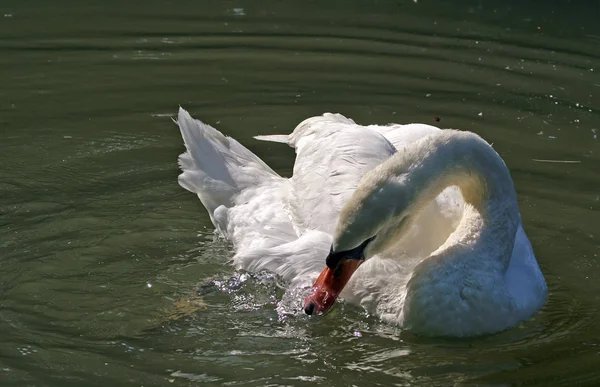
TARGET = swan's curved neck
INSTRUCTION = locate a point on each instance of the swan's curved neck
(460, 159)
(463, 159)
(391, 196)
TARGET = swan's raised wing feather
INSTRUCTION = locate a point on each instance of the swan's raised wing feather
(282, 138)
(215, 160)
(332, 156)
(242, 195)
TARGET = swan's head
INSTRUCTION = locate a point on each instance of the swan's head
(376, 215)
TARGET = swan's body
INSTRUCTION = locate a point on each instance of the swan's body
(449, 254)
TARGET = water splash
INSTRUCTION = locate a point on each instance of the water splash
(250, 291)
(292, 302)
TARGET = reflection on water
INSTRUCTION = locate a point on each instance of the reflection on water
(111, 274)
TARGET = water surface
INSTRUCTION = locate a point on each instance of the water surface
(110, 273)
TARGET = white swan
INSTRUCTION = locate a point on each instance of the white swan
(429, 215)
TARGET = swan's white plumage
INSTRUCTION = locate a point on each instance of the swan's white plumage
(329, 165)
(422, 281)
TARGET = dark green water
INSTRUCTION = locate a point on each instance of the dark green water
(103, 255)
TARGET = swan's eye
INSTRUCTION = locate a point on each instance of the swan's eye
(335, 257)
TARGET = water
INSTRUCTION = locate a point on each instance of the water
(110, 273)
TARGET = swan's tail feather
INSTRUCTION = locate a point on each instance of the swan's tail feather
(282, 138)
(216, 167)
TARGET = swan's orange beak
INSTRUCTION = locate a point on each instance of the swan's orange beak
(329, 285)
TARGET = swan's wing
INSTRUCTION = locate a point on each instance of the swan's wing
(259, 219)
(300, 259)
(524, 279)
(333, 154)
(307, 129)
(243, 196)
(403, 135)
(282, 138)
(216, 167)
